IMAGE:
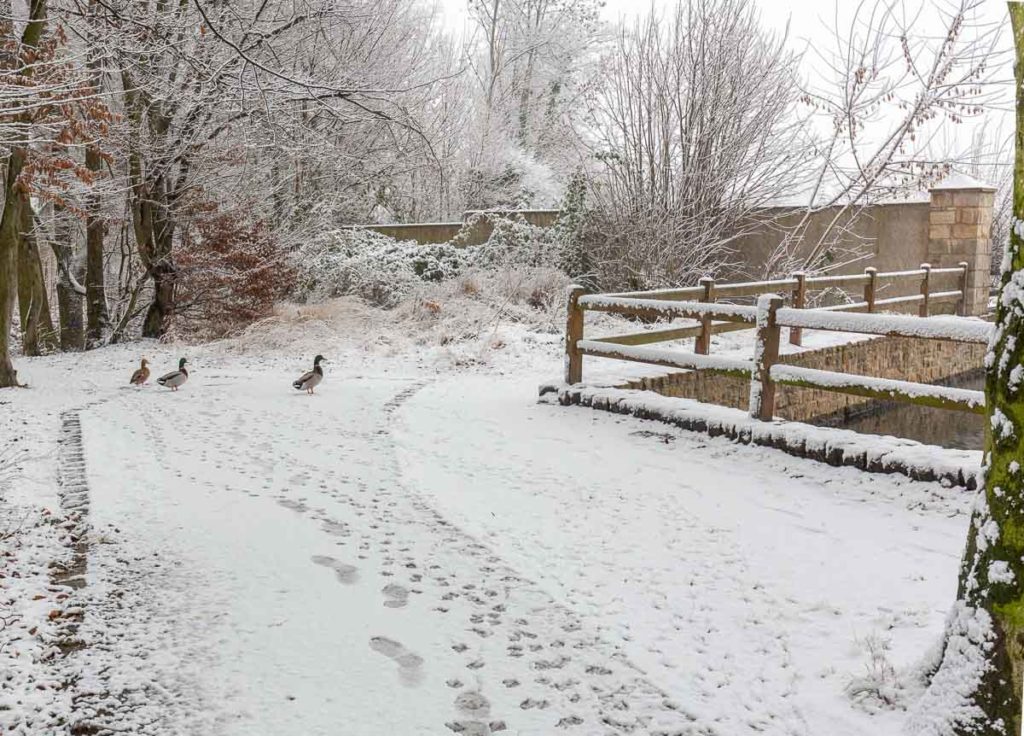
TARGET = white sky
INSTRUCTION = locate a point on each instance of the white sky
(812, 20)
(804, 16)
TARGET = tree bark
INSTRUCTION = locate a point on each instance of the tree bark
(10, 221)
(70, 294)
(161, 309)
(983, 659)
(95, 291)
(153, 224)
(38, 335)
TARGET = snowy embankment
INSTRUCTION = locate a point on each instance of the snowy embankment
(421, 548)
(873, 453)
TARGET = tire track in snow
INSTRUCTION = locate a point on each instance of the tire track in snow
(97, 646)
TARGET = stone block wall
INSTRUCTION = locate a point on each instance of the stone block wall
(904, 358)
(959, 231)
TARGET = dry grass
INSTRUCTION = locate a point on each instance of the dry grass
(465, 312)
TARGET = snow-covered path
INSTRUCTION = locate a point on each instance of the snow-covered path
(750, 585)
(299, 583)
(429, 554)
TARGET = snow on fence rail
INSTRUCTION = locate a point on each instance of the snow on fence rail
(799, 286)
(764, 370)
(668, 358)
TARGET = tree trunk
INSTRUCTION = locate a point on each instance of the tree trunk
(8, 292)
(161, 309)
(69, 306)
(10, 222)
(70, 293)
(983, 660)
(153, 223)
(9, 241)
(95, 291)
(38, 335)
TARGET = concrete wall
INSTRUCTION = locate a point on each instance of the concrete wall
(442, 232)
(890, 237)
(905, 358)
(426, 232)
(952, 227)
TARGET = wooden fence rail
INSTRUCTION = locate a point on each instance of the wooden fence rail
(768, 317)
(800, 287)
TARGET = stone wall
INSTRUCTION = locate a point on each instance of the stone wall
(904, 358)
(960, 220)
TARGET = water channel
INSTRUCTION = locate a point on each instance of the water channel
(931, 426)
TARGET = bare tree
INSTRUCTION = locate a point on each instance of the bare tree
(884, 86)
(693, 137)
(530, 67)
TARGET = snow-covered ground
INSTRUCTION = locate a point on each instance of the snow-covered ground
(422, 548)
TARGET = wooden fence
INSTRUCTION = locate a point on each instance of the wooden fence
(768, 317)
(934, 286)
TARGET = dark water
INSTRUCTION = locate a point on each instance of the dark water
(955, 429)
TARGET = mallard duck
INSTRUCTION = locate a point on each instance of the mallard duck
(175, 378)
(309, 381)
(141, 374)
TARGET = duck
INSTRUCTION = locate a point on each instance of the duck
(141, 374)
(175, 378)
(309, 381)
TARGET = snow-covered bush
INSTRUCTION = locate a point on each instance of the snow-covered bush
(384, 271)
(370, 265)
(515, 242)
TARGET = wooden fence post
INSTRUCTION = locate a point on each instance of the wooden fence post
(922, 310)
(799, 302)
(573, 333)
(869, 287)
(961, 305)
(766, 354)
(702, 345)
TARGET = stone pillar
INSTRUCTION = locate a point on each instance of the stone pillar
(960, 225)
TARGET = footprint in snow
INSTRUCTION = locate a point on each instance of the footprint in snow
(335, 528)
(409, 663)
(474, 705)
(345, 573)
(297, 506)
(396, 595)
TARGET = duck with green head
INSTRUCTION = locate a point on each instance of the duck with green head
(174, 379)
(310, 380)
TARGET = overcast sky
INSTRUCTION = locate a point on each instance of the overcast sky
(811, 20)
(804, 16)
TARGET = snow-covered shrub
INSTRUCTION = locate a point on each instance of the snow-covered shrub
(377, 268)
(470, 307)
(882, 687)
(574, 259)
(515, 242)
(384, 271)
(510, 177)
